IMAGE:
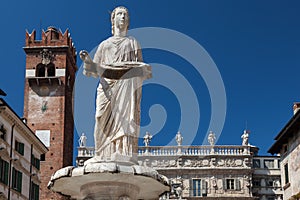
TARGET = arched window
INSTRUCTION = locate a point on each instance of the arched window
(45, 70)
(50, 69)
(40, 70)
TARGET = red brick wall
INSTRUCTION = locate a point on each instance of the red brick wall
(58, 118)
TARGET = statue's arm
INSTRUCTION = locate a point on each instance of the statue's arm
(89, 67)
(138, 51)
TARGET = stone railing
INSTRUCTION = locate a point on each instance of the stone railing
(86, 151)
(193, 150)
(178, 150)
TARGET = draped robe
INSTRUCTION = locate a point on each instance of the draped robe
(118, 101)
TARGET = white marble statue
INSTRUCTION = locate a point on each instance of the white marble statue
(147, 139)
(211, 138)
(82, 140)
(117, 115)
(245, 138)
(179, 138)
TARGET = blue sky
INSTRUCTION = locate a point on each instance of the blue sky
(255, 46)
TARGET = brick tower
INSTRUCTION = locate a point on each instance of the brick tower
(48, 99)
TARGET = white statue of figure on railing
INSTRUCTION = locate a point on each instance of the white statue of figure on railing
(179, 138)
(118, 63)
(82, 140)
(245, 138)
(147, 139)
(211, 138)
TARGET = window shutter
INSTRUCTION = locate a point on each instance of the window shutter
(224, 184)
(194, 188)
(6, 172)
(38, 164)
(37, 192)
(32, 159)
(21, 148)
(191, 188)
(237, 184)
(14, 178)
(204, 187)
(19, 182)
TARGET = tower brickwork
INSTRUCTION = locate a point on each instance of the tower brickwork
(48, 99)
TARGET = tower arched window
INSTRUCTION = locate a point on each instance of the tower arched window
(45, 70)
(40, 70)
(50, 69)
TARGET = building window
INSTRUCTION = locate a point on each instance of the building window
(2, 132)
(50, 70)
(4, 171)
(286, 173)
(43, 157)
(19, 146)
(196, 187)
(256, 183)
(269, 164)
(270, 183)
(40, 70)
(229, 184)
(45, 70)
(35, 191)
(35, 162)
(256, 163)
(199, 188)
(232, 184)
(17, 180)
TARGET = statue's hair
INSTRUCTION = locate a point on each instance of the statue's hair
(112, 17)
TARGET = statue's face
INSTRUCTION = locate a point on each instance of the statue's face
(121, 18)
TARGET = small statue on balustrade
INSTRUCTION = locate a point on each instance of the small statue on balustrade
(245, 138)
(179, 138)
(82, 140)
(211, 138)
(147, 139)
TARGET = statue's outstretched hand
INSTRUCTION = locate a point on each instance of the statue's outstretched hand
(85, 57)
(89, 67)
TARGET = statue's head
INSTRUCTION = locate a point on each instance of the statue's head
(118, 13)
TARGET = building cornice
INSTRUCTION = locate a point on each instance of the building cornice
(286, 133)
(15, 119)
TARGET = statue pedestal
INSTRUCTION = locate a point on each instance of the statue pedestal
(109, 180)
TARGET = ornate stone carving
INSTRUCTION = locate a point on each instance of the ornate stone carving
(46, 56)
(213, 162)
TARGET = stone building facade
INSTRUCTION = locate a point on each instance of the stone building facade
(266, 180)
(210, 172)
(287, 144)
(20, 155)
